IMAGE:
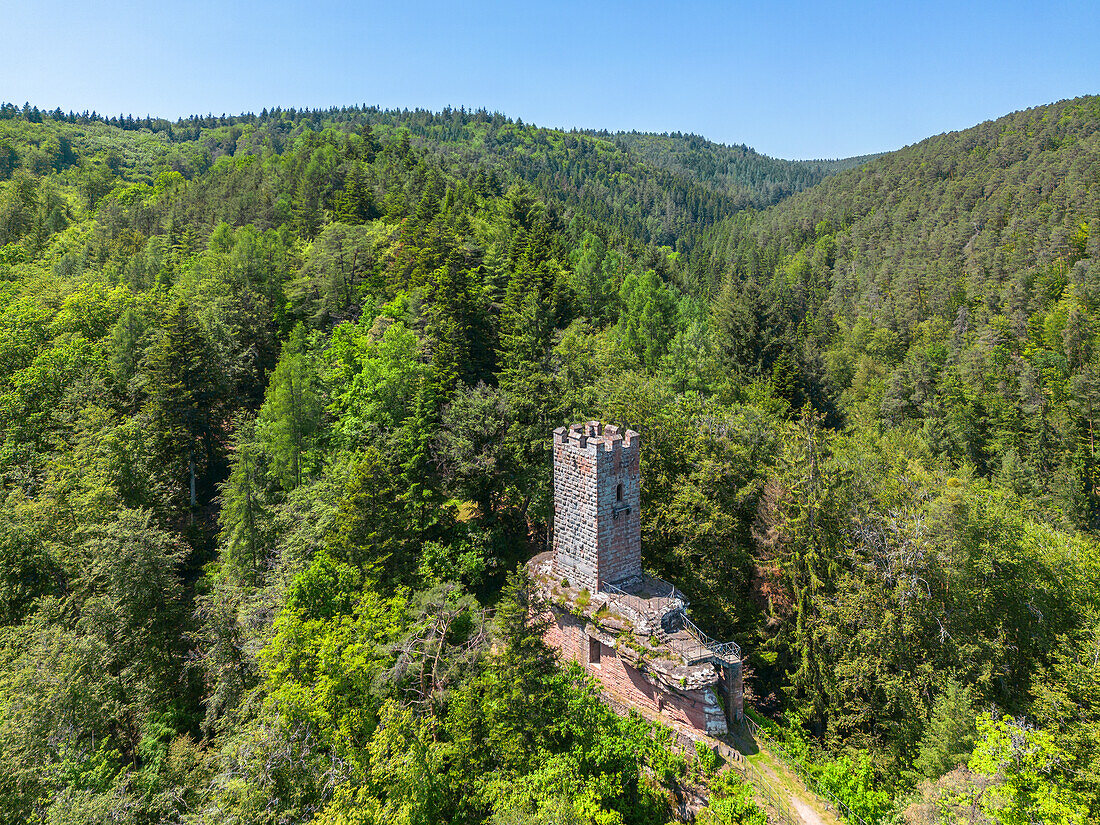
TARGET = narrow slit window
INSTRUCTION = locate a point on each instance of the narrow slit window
(619, 492)
(593, 651)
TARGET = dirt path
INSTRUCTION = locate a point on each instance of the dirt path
(807, 814)
(779, 787)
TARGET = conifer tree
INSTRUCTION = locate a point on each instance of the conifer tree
(245, 510)
(290, 419)
(520, 695)
(182, 387)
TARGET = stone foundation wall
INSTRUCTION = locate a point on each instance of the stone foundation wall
(697, 710)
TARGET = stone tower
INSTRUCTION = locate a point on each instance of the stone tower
(597, 496)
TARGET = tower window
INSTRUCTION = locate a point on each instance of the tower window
(619, 492)
(593, 651)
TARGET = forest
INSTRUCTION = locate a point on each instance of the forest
(276, 394)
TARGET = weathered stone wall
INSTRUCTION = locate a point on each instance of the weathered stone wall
(566, 634)
(597, 535)
(575, 496)
(697, 710)
(620, 523)
(735, 689)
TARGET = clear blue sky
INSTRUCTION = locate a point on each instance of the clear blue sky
(791, 79)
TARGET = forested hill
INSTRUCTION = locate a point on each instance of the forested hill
(275, 397)
(949, 286)
(984, 202)
(619, 176)
(736, 170)
(275, 400)
(650, 188)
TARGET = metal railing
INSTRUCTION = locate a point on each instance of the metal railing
(661, 604)
(670, 603)
(802, 773)
(777, 807)
(727, 651)
(614, 588)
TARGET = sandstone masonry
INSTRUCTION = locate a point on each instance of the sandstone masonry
(597, 496)
(629, 629)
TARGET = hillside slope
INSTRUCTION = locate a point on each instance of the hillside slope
(984, 203)
(644, 188)
(658, 188)
(731, 169)
(950, 285)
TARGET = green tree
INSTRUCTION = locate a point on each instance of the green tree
(648, 319)
(183, 390)
(731, 803)
(26, 569)
(341, 263)
(371, 529)
(290, 419)
(1027, 761)
(355, 203)
(126, 345)
(949, 738)
(245, 517)
(520, 695)
(470, 445)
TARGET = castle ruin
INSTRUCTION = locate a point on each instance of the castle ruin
(628, 628)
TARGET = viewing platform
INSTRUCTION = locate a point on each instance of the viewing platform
(651, 611)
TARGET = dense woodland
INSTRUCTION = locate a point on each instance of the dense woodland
(275, 400)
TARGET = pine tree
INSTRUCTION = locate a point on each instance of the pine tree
(371, 530)
(355, 204)
(949, 737)
(308, 214)
(183, 385)
(245, 515)
(520, 695)
(290, 419)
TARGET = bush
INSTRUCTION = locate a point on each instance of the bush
(854, 785)
(708, 758)
(732, 803)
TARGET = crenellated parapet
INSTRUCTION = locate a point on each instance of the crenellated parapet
(592, 436)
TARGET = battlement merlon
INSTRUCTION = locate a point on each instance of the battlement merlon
(592, 436)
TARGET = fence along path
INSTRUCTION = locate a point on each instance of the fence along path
(782, 806)
(830, 802)
(780, 798)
